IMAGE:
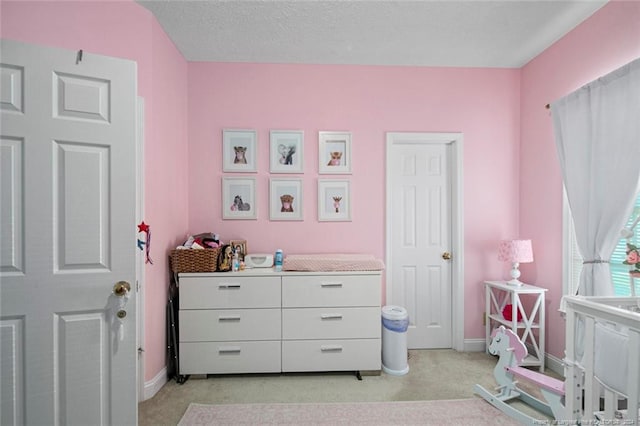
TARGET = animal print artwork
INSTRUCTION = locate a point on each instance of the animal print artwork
(239, 205)
(336, 203)
(287, 203)
(286, 154)
(335, 158)
(240, 155)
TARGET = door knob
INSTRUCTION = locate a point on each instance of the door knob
(121, 288)
(446, 255)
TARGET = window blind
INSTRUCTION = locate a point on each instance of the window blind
(619, 272)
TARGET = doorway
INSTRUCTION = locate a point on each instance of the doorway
(424, 236)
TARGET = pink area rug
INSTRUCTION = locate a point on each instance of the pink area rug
(450, 412)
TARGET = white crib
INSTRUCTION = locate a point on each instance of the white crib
(617, 382)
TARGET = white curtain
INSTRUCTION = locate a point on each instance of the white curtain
(597, 132)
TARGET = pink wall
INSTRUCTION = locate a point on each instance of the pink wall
(125, 29)
(606, 41)
(166, 186)
(484, 104)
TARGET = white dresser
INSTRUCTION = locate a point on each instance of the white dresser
(260, 321)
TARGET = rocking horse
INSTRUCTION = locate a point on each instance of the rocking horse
(508, 346)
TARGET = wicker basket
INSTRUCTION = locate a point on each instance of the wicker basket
(191, 260)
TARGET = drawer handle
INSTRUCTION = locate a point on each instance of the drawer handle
(229, 350)
(331, 348)
(334, 284)
(229, 286)
(222, 319)
(331, 316)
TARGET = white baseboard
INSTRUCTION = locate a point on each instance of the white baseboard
(154, 385)
(474, 345)
(554, 364)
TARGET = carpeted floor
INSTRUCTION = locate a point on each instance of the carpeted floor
(433, 375)
(448, 412)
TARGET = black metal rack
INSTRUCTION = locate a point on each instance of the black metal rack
(173, 350)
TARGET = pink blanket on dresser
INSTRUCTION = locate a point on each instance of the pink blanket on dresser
(331, 262)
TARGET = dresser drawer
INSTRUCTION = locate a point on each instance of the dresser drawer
(330, 290)
(230, 357)
(331, 323)
(331, 355)
(229, 292)
(224, 325)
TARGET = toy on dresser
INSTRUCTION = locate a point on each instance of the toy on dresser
(201, 241)
(225, 258)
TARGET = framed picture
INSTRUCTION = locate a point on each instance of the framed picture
(334, 152)
(239, 150)
(286, 151)
(239, 198)
(334, 200)
(285, 199)
(241, 247)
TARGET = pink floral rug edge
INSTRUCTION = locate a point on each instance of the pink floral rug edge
(474, 411)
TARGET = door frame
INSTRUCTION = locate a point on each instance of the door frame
(140, 260)
(455, 141)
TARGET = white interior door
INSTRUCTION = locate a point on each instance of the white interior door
(68, 235)
(419, 221)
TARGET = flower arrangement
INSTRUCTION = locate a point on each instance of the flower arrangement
(633, 258)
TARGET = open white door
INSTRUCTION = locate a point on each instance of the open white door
(67, 188)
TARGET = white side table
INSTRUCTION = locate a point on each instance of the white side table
(530, 328)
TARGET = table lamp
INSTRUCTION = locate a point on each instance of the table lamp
(516, 252)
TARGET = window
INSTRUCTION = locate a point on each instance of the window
(573, 261)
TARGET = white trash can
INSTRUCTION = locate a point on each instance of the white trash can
(395, 321)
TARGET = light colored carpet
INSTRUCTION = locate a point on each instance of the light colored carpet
(436, 374)
(444, 412)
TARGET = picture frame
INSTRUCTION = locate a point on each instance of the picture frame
(286, 151)
(239, 150)
(239, 198)
(241, 247)
(334, 200)
(334, 152)
(286, 199)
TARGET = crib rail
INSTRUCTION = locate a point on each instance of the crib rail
(580, 373)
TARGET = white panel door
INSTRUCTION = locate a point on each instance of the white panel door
(67, 193)
(420, 234)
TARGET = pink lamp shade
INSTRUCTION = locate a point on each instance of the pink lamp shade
(516, 252)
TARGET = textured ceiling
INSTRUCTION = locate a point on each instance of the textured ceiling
(385, 32)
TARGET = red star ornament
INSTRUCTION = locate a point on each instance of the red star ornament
(143, 227)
